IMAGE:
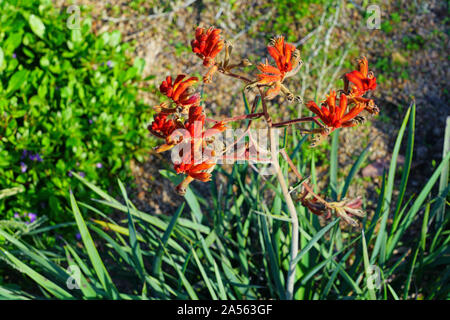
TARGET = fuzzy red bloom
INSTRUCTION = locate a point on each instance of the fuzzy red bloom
(287, 59)
(192, 138)
(161, 126)
(217, 128)
(363, 79)
(335, 116)
(269, 74)
(282, 53)
(207, 44)
(194, 172)
(180, 91)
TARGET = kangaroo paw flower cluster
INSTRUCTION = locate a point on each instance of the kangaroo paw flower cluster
(181, 90)
(351, 101)
(344, 209)
(288, 63)
(182, 124)
(207, 44)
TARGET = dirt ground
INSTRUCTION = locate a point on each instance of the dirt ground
(408, 54)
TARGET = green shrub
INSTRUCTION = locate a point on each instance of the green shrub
(68, 102)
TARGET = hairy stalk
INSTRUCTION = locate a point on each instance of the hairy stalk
(290, 204)
(284, 188)
(294, 121)
(299, 176)
(293, 213)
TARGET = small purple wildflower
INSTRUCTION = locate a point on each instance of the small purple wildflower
(16, 215)
(78, 236)
(35, 157)
(23, 167)
(70, 174)
(14, 56)
(82, 174)
(90, 121)
(109, 63)
(99, 165)
(24, 154)
(32, 216)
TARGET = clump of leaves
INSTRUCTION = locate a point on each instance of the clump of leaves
(68, 103)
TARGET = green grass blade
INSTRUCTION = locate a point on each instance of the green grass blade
(158, 258)
(334, 164)
(222, 292)
(52, 268)
(42, 281)
(372, 294)
(410, 274)
(391, 290)
(97, 263)
(408, 160)
(354, 169)
(10, 294)
(204, 275)
(315, 239)
(183, 278)
(274, 266)
(85, 287)
(134, 243)
(389, 191)
(443, 183)
(406, 222)
(189, 196)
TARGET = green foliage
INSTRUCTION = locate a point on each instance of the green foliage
(238, 247)
(68, 102)
(288, 13)
(389, 25)
(414, 42)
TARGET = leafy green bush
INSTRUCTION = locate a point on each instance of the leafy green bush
(68, 102)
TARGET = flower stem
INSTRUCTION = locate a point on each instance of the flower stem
(294, 121)
(290, 205)
(237, 118)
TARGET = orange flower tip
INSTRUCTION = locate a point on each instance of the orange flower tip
(164, 147)
(182, 187)
(201, 176)
(209, 75)
(219, 126)
(157, 108)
